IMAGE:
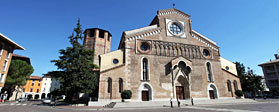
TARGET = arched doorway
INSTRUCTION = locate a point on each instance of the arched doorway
(182, 88)
(212, 91)
(145, 92)
(29, 97)
(37, 96)
(43, 96)
(181, 83)
(48, 95)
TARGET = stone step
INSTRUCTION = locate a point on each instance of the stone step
(149, 104)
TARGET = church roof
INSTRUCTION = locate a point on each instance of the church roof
(172, 10)
(143, 29)
(154, 28)
(204, 37)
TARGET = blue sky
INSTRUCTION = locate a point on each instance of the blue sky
(245, 30)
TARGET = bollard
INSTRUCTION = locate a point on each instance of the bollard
(171, 102)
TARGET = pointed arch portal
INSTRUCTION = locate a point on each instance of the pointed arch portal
(145, 92)
(181, 76)
(212, 91)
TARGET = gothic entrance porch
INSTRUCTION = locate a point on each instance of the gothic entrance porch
(182, 89)
(181, 80)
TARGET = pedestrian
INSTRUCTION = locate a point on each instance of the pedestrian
(192, 100)
(178, 102)
(55, 102)
(171, 102)
(54, 105)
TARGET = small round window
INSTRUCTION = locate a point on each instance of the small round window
(175, 28)
(144, 46)
(206, 52)
(115, 61)
(227, 68)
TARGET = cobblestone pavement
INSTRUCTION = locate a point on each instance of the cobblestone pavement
(261, 106)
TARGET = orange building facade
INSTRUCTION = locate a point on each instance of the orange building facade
(32, 88)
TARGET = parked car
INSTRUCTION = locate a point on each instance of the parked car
(21, 99)
(46, 101)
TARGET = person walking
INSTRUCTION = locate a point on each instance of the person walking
(55, 101)
(192, 100)
(171, 102)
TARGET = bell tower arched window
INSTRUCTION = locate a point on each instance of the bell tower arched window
(209, 72)
(145, 69)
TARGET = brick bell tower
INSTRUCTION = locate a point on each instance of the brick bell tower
(98, 40)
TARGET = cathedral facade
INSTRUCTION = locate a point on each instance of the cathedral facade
(167, 59)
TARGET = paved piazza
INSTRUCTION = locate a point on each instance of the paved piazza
(35, 106)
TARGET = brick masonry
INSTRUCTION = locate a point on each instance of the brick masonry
(165, 71)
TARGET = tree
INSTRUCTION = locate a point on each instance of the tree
(17, 76)
(76, 65)
(255, 82)
(126, 94)
(239, 93)
(240, 68)
(250, 82)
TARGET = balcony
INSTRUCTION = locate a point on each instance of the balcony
(270, 77)
(270, 71)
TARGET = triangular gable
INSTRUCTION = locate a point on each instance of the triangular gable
(139, 33)
(172, 11)
(203, 39)
(175, 61)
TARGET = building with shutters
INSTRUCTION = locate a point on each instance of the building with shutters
(33, 86)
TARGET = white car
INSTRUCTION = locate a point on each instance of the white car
(21, 99)
(46, 101)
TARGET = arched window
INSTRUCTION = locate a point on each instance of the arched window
(145, 69)
(209, 72)
(235, 85)
(120, 85)
(109, 85)
(229, 85)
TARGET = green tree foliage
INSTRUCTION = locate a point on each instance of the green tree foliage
(255, 81)
(126, 94)
(250, 82)
(56, 93)
(239, 93)
(17, 76)
(240, 68)
(76, 65)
